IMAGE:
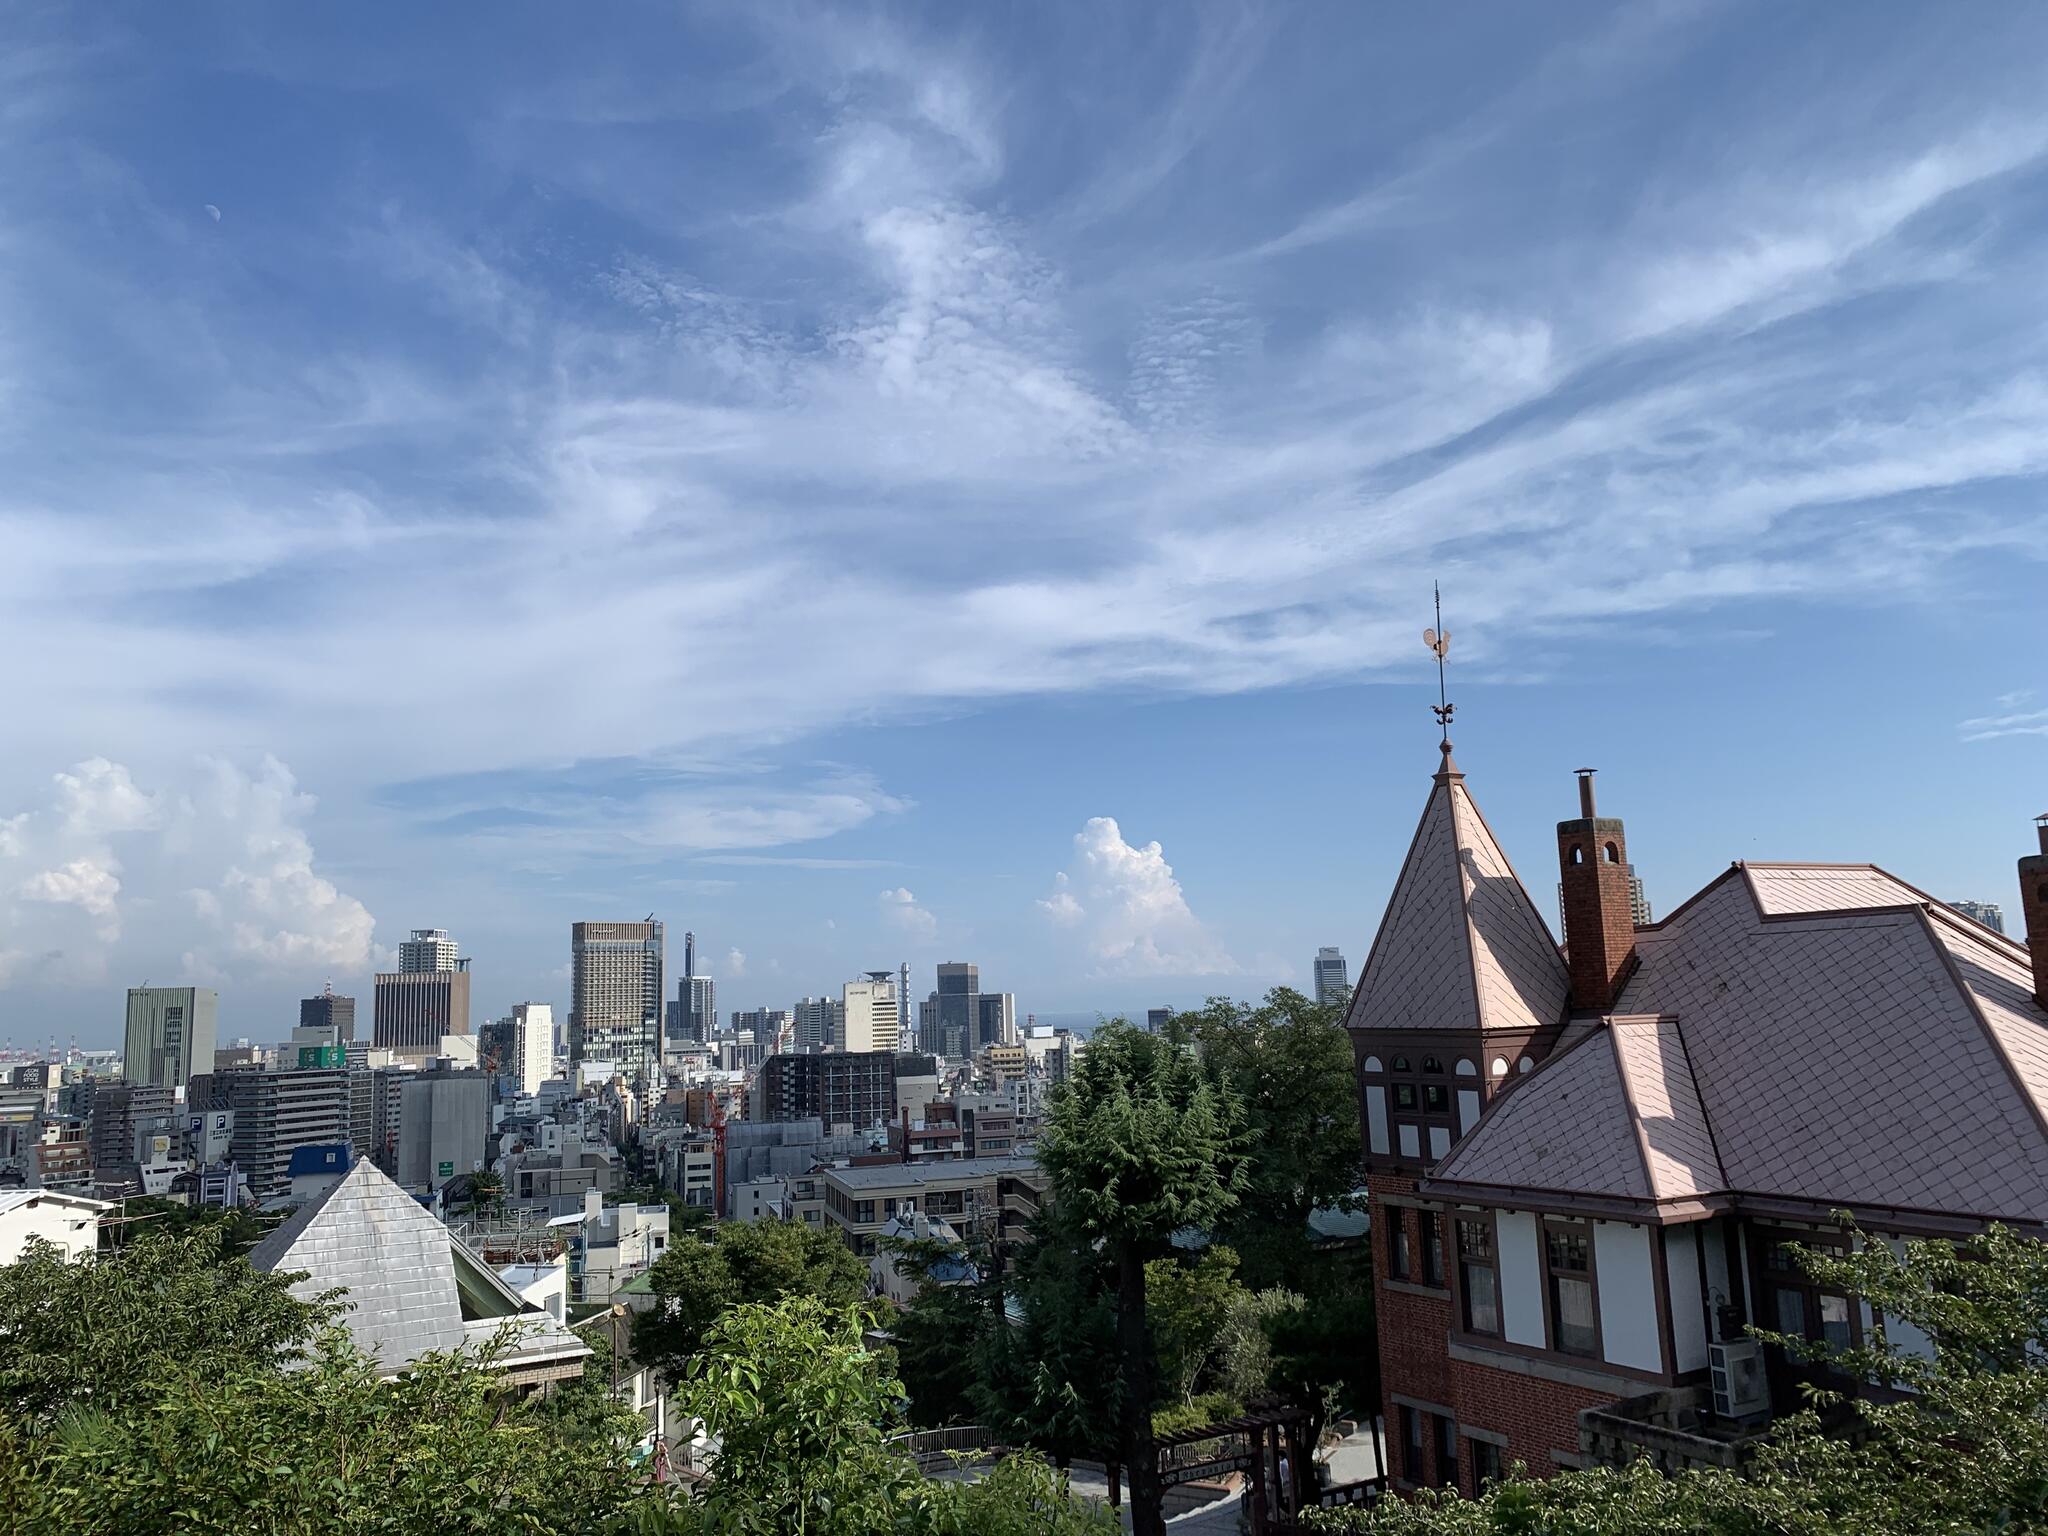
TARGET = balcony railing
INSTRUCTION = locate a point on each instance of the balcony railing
(1674, 1429)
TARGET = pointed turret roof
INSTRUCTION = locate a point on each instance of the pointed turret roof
(1461, 946)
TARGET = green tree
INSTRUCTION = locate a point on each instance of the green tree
(101, 1333)
(802, 1411)
(1052, 1378)
(937, 1335)
(1188, 1304)
(1141, 1144)
(710, 1271)
(240, 1229)
(1288, 1060)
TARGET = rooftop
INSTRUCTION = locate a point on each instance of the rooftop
(961, 1170)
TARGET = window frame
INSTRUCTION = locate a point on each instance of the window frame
(1554, 1274)
(1413, 1452)
(1482, 1222)
(1400, 1250)
(1486, 1463)
(1445, 1464)
(1429, 1238)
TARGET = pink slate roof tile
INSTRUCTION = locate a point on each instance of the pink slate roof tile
(1462, 945)
(1567, 1129)
(1819, 1033)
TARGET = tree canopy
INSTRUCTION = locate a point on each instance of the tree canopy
(713, 1269)
(1141, 1144)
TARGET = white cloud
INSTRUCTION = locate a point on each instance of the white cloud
(903, 912)
(219, 862)
(1130, 911)
(1989, 727)
(735, 963)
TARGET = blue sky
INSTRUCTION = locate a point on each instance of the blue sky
(965, 482)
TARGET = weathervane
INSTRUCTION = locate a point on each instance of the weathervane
(1439, 641)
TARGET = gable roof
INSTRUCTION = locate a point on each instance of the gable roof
(1825, 1035)
(1461, 946)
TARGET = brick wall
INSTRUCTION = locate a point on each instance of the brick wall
(1536, 1416)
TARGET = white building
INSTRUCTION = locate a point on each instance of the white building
(873, 1022)
(533, 1044)
(759, 1199)
(610, 1244)
(68, 1223)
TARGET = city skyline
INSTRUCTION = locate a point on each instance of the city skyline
(912, 503)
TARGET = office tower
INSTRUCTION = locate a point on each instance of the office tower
(766, 1024)
(995, 1019)
(444, 1120)
(277, 1112)
(1989, 913)
(533, 1044)
(332, 1012)
(1333, 977)
(170, 1038)
(959, 1014)
(903, 1030)
(123, 1114)
(429, 949)
(1155, 1019)
(872, 1020)
(819, 1023)
(414, 1009)
(847, 1090)
(616, 991)
(693, 1017)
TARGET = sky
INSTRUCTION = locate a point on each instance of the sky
(965, 483)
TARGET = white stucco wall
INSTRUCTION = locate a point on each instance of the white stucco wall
(1688, 1311)
(1521, 1279)
(1628, 1295)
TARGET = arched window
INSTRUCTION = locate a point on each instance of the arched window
(1613, 854)
(1525, 1065)
(1500, 1066)
(1578, 854)
(1372, 1064)
(1400, 1064)
(1464, 1068)
(1433, 1064)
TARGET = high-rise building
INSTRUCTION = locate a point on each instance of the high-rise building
(693, 1017)
(959, 1017)
(170, 1035)
(1155, 1019)
(1333, 977)
(331, 1011)
(995, 1018)
(429, 949)
(122, 1114)
(819, 1022)
(412, 1010)
(872, 1020)
(616, 993)
(533, 1044)
(904, 1034)
(1989, 913)
(277, 1112)
(443, 1123)
(847, 1090)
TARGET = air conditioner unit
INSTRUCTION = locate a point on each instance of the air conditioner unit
(1737, 1369)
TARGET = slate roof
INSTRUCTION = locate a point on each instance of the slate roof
(1461, 946)
(1827, 1035)
(397, 1262)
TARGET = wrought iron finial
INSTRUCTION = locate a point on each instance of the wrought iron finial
(1439, 641)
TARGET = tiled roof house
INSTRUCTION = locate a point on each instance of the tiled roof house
(411, 1287)
(1582, 1164)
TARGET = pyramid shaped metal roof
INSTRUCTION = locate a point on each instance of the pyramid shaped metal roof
(1461, 946)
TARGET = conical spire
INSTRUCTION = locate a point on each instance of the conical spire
(1461, 946)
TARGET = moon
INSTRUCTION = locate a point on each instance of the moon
(213, 213)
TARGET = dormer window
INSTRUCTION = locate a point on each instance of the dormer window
(1433, 1065)
(1400, 1064)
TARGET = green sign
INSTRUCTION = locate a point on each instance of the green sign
(447, 1170)
(321, 1056)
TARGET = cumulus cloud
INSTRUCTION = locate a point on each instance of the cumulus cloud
(735, 963)
(903, 913)
(1129, 910)
(216, 866)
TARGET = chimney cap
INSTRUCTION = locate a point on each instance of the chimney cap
(1585, 772)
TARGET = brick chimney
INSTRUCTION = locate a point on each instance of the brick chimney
(1599, 919)
(2034, 907)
